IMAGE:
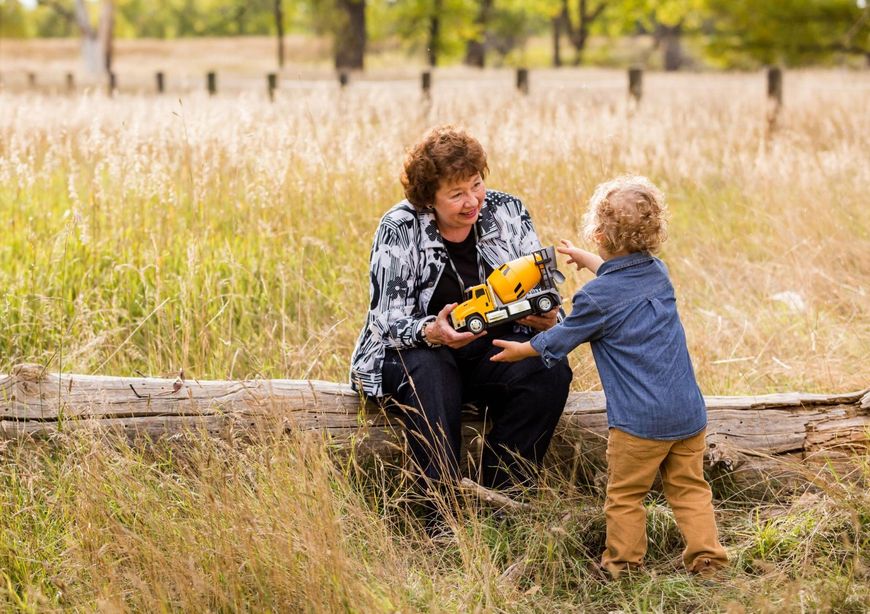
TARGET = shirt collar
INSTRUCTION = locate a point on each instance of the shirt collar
(486, 226)
(623, 262)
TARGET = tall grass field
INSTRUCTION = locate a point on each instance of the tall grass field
(229, 236)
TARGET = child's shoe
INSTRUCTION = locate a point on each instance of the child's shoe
(708, 572)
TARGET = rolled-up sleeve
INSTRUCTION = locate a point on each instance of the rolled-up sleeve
(585, 323)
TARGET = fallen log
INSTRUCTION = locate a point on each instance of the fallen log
(749, 438)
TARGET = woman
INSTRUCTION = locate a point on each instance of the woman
(449, 234)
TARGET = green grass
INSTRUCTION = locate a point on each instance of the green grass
(279, 523)
(229, 237)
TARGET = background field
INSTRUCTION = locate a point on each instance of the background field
(229, 237)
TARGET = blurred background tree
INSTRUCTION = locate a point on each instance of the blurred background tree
(791, 32)
(717, 33)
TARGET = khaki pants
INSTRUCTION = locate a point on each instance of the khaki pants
(632, 464)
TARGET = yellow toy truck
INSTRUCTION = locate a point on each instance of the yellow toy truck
(516, 289)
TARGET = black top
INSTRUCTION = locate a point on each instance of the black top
(465, 259)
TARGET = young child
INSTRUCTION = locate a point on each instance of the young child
(655, 411)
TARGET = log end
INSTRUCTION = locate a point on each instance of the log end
(29, 372)
(721, 454)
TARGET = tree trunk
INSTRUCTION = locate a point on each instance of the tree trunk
(279, 29)
(750, 439)
(106, 34)
(475, 49)
(92, 57)
(670, 39)
(97, 45)
(241, 20)
(434, 45)
(579, 34)
(350, 37)
(475, 54)
(557, 41)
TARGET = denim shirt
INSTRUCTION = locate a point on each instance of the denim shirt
(629, 315)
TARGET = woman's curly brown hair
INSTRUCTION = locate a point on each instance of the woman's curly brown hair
(628, 213)
(445, 154)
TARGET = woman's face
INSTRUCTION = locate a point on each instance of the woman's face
(457, 205)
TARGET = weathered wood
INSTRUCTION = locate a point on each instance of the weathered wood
(271, 85)
(774, 85)
(491, 497)
(774, 98)
(426, 84)
(523, 80)
(635, 83)
(748, 437)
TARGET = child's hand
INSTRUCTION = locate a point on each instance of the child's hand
(580, 257)
(512, 351)
(543, 322)
(575, 254)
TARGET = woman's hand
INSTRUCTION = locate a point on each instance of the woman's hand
(442, 333)
(512, 351)
(543, 322)
(580, 257)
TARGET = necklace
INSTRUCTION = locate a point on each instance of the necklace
(462, 286)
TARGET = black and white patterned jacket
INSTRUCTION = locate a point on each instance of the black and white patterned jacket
(407, 259)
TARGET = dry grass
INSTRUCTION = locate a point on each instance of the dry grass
(193, 55)
(230, 237)
(194, 524)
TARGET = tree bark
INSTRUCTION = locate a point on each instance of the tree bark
(279, 29)
(670, 39)
(350, 37)
(557, 42)
(433, 47)
(106, 34)
(750, 439)
(97, 44)
(475, 49)
(579, 34)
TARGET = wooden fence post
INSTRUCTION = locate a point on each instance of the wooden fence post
(774, 85)
(158, 78)
(211, 83)
(774, 97)
(272, 85)
(635, 83)
(426, 84)
(523, 80)
(113, 84)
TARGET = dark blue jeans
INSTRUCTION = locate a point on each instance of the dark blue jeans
(523, 401)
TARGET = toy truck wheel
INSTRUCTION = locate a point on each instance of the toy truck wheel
(544, 303)
(475, 324)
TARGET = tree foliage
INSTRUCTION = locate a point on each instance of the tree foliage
(787, 31)
(730, 32)
(14, 22)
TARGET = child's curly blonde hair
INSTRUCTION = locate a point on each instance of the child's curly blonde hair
(627, 213)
